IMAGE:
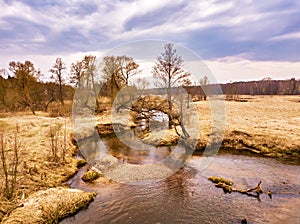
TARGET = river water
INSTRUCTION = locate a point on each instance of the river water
(188, 197)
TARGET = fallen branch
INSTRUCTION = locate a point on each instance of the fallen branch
(226, 185)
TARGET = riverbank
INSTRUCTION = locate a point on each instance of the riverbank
(263, 125)
(46, 161)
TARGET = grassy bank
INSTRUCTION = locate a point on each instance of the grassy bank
(264, 125)
(45, 156)
(268, 125)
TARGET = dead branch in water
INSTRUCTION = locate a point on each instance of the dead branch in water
(227, 188)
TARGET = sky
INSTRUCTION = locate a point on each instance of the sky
(238, 40)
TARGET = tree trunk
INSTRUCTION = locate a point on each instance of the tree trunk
(61, 94)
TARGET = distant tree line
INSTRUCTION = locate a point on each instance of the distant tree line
(234, 89)
(263, 87)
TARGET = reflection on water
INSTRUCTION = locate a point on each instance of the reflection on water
(188, 197)
(134, 152)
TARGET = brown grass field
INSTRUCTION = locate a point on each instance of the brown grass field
(264, 124)
(268, 125)
(37, 169)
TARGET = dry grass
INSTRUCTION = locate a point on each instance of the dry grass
(265, 124)
(49, 206)
(56, 109)
(269, 125)
(37, 170)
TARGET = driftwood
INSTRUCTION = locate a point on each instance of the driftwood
(227, 188)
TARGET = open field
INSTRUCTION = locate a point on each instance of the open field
(264, 124)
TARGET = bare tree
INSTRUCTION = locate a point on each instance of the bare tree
(57, 70)
(127, 67)
(89, 73)
(112, 76)
(76, 70)
(3, 87)
(187, 83)
(141, 85)
(26, 80)
(168, 71)
(203, 83)
(89, 70)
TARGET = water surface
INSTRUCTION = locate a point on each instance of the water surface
(188, 197)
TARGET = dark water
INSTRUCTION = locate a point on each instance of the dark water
(188, 197)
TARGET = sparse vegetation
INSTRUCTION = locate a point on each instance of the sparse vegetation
(9, 164)
(34, 171)
(58, 142)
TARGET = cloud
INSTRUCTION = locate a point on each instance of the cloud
(258, 30)
(240, 69)
(288, 36)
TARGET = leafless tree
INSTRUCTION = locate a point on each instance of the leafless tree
(26, 80)
(203, 83)
(141, 84)
(58, 70)
(127, 67)
(168, 71)
(89, 74)
(112, 76)
(76, 70)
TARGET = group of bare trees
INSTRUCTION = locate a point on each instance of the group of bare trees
(116, 72)
(24, 89)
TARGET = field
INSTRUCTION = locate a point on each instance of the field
(38, 168)
(268, 125)
(264, 124)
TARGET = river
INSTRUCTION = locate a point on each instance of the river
(188, 197)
